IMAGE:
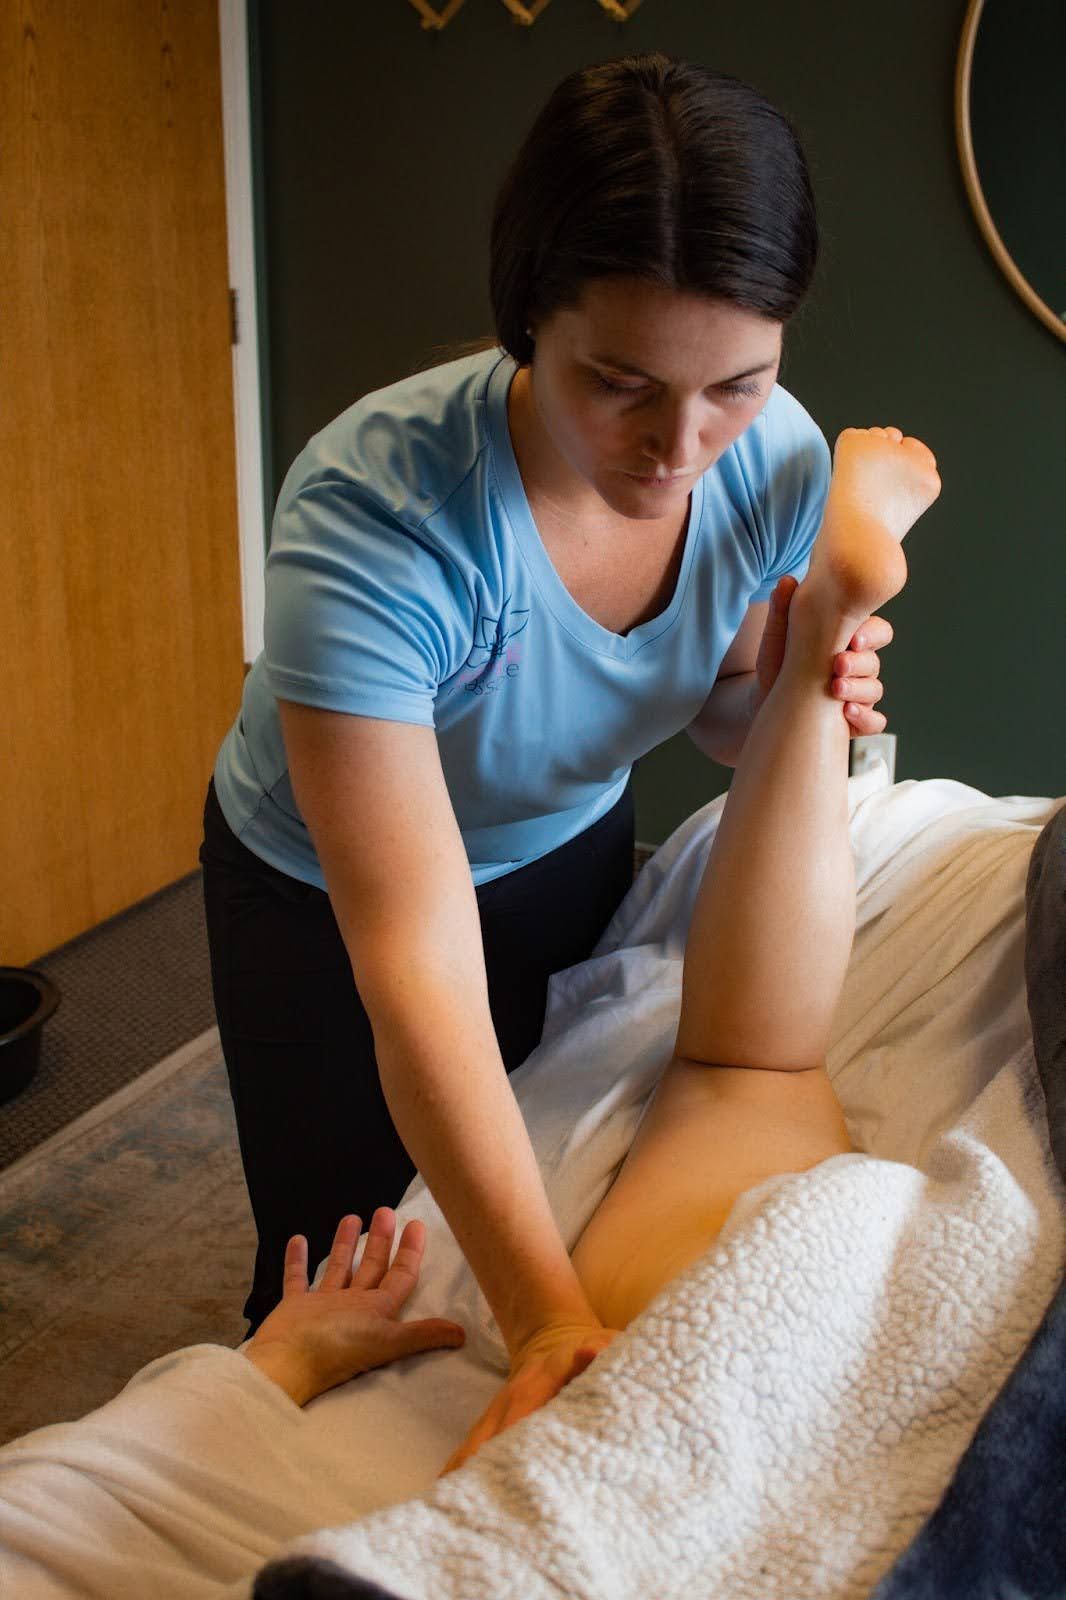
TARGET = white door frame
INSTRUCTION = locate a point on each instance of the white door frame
(240, 232)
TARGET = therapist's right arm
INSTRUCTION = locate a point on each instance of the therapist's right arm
(373, 796)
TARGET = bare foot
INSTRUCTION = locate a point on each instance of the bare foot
(881, 484)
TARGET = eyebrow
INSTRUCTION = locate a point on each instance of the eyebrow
(639, 372)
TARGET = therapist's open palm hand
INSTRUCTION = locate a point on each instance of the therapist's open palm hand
(543, 1366)
(317, 1338)
(855, 672)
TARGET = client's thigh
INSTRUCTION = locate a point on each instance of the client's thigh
(710, 1134)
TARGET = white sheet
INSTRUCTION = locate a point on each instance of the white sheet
(202, 1471)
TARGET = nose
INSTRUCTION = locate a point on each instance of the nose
(672, 439)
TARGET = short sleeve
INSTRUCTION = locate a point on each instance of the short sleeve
(363, 614)
(798, 466)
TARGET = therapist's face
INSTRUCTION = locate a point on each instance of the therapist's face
(639, 389)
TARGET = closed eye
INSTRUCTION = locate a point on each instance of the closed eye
(734, 391)
(618, 388)
(744, 391)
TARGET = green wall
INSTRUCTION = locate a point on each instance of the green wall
(380, 149)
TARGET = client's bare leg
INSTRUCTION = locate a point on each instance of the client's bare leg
(746, 1094)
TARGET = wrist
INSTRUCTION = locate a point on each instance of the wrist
(563, 1318)
(286, 1368)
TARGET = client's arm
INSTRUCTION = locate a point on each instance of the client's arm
(317, 1338)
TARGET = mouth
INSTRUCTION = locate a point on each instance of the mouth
(650, 482)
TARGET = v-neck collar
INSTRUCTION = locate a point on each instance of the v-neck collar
(551, 587)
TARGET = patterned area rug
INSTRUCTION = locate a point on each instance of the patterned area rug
(125, 1235)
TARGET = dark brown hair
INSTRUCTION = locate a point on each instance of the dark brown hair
(652, 168)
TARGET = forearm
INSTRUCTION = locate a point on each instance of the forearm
(725, 718)
(446, 1088)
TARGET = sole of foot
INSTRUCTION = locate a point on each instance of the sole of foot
(882, 483)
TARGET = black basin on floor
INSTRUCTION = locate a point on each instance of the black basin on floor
(27, 1000)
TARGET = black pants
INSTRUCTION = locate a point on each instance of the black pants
(316, 1137)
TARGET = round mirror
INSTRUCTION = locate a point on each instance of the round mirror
(1010, 120)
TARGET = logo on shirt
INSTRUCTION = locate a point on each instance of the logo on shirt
(494, 657)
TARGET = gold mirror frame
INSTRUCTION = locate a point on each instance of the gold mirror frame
(964, 137)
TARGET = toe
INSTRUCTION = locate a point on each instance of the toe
(918, 448)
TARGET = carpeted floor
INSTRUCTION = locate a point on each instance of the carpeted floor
(132, 991)
(126, 1235)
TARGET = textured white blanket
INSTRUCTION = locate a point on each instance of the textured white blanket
(778, 1423)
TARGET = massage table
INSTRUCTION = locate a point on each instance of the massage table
(791, 1417)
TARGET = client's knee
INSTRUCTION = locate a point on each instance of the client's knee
(692, 1058)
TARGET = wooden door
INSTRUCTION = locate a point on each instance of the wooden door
(120, 628)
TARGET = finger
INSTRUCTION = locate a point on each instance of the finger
(781, 599)
(863, 722)
(402, 1275)
(338, 1273)
(517, 1399)
(391, 1341)
(873, 634)
(432, 1333)
(780, 604)
(514, 1403)
(857, 691)
(857, 664)
(377, 1250)
(583, 1359)
(483, 1430)
(458, 1458)
(294, 1275)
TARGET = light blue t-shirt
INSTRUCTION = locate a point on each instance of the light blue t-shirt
(406, 580)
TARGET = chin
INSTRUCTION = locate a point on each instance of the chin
(644, 500)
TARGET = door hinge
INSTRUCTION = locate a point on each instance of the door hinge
(234, 324)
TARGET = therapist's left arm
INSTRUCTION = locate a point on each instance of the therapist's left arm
(752, 662)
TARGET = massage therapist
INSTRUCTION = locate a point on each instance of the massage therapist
(491, 588)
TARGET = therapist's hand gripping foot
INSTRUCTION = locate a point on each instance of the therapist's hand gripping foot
(318, 1338)
(856, 679)
(746, 1095)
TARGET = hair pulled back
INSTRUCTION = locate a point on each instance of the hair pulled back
(658, 169)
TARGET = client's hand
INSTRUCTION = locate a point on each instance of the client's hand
(317, 1338)
(856, 671)
(543, 1366)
